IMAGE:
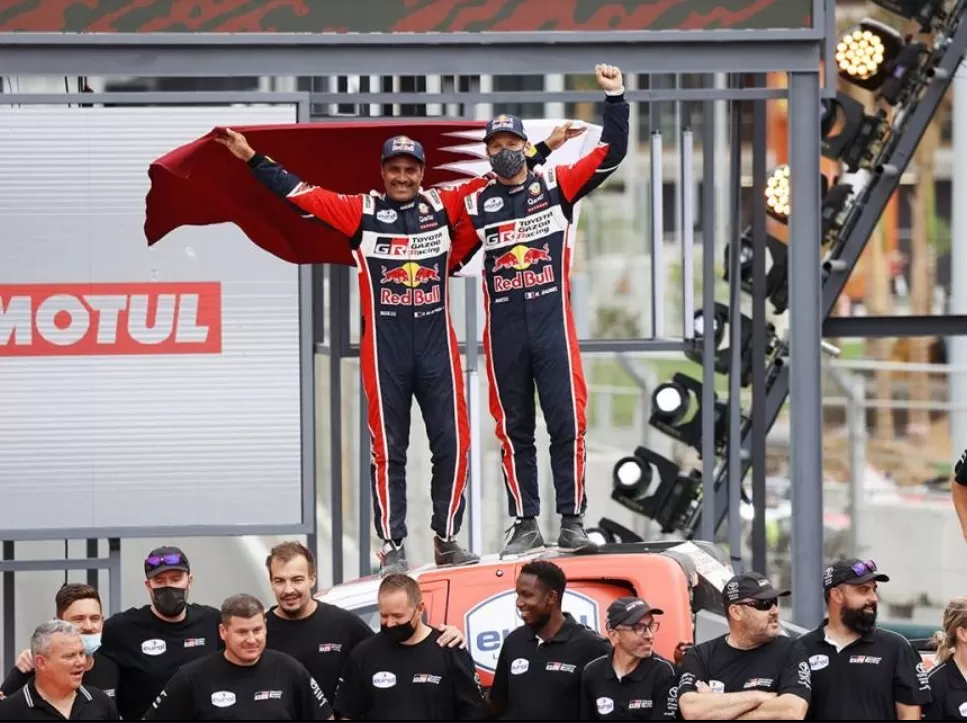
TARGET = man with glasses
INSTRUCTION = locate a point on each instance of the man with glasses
(859, 671)
(150, 643)
(633, 682)
(752, 671)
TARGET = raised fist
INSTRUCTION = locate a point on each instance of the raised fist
(609, 77)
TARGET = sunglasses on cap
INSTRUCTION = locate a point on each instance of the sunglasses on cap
(172, 558)
(762, 605)
(863, 568)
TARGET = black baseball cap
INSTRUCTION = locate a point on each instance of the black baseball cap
(851, 571)
(504, 123)
(750, 585)
(162, 559)
(403, 146)
(629, 610)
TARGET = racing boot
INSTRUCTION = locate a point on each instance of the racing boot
(573, 535)
(392, 558)
(525, 536)
(449, 552)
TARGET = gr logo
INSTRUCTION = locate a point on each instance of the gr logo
(490, 621)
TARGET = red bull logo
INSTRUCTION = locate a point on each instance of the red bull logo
(402, 143)
(520, 258)
(412, 276)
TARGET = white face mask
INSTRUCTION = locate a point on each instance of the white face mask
(91, 642)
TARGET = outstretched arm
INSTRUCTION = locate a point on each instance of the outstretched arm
(341, 212)
(579, 179)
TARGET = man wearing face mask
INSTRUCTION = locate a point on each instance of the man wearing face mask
(318, 635)
(402, 673)
(402, 245)
(538, 675)
(149, 644)
(80, 605)
(859, 671)
(524, 221)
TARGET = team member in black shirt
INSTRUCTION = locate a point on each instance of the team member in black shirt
(402, 673)
(55, 692)
(243, 682)
(318, 635)
(79, 605)
(151, 642)
(752, 671)
(948, 679)
(860, 672)
(538, 675)
(633, 682)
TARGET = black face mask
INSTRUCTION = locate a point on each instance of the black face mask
(399, 634)
(507, 163)
(169, 601)
(859, 621)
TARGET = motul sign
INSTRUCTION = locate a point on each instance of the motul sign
(95, 319)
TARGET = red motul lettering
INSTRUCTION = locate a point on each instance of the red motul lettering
(410, 297)
(96, 319)
(524, 279)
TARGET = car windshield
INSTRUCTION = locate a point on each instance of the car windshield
(369, 614)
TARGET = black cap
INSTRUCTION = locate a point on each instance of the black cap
(403, 146)
(750, 586)
(851, 571)
(505, 124)
(629, 610)
(162, 559)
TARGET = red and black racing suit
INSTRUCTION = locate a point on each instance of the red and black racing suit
(408, 346)
(527, 235)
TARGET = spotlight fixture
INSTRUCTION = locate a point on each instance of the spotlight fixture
(723, 357)
(669, 501)
(777, 268)
(778, 198)
(924, 12)
(609, 532)
(877, 58)
(677, 411)
(849, 134)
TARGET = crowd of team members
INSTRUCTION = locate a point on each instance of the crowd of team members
(306, 660)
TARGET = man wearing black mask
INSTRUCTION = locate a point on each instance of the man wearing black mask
(860, 672)
(401, 673)
(149, 644)
(538, 674)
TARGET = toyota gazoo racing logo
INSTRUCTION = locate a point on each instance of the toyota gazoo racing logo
(110, 318)
(411, 276)
(520, 259)
(489, 622)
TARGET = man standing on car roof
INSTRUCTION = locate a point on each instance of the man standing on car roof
(633, 682)
(150, 643)
(752, 671)
(538, 675)
(318, 635)
(859, 671)
(403, 672)
(524, 221)
(402, 241)
(244, 681)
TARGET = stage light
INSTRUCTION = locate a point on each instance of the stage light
(598, 536)
(834, 199)
(925, 12)
(677, 411)
(669, 501)
(723, 357)
(609, 532)
(777, 268)
(849, 134)
(877, 58)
